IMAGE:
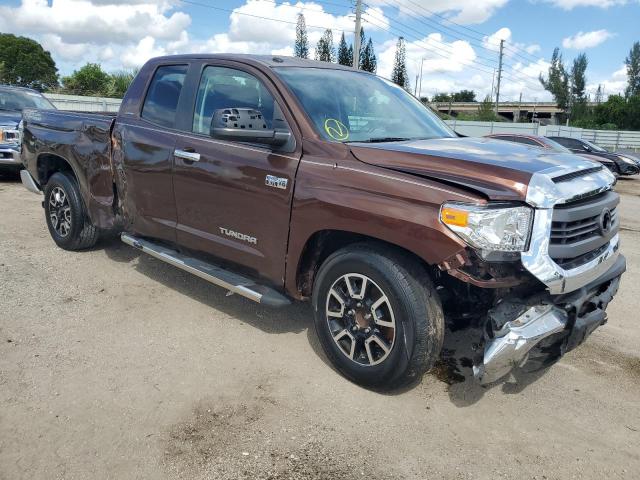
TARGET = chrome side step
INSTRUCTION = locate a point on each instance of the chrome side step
(211, 273)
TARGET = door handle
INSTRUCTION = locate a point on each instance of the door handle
(190, 156)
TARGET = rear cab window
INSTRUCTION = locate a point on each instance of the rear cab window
(163, 94)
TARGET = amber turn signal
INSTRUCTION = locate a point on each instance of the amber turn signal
(453, 216)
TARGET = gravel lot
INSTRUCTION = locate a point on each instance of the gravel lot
(115, 365)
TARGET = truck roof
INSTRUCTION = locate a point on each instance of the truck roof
(269, 61)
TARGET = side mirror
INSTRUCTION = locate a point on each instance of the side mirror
(246, 125)
(586, 147)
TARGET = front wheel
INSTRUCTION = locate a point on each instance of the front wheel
(66, 217)
(377, 315)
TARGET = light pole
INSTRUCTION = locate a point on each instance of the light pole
(420, 87)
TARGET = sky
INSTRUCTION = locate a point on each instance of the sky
(455, 41)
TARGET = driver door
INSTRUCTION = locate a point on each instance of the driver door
(226, 207)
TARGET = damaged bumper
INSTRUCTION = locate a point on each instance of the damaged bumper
(520, 325)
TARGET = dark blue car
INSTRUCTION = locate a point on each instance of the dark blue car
(12, 101)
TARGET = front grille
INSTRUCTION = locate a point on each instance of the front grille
(577, 233)
(563, 233)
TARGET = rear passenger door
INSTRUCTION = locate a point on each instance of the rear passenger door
(226, 205)
(143, 156)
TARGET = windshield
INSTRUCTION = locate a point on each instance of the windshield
(594, 147)
(18, 100)
(351, 106)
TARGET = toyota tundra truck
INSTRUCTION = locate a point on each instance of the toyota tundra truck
(284, 179)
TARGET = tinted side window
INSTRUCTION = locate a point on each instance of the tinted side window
(164, 92)
(222, 87)
(527, 141)
(505, 138)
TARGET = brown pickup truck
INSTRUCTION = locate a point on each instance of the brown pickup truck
(279, 178)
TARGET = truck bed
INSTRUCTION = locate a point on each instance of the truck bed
(83, 142)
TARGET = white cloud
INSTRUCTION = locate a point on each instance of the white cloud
(534, 48)
(127, 33)
(582, 40)
(461, 11)
(615, 84)
(571, 4)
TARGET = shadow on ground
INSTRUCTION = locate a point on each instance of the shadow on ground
(454, 367)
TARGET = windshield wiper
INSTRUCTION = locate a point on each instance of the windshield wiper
(383, 139)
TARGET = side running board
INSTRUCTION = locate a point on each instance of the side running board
(211, 273)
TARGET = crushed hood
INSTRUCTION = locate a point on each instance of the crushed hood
(497, 169)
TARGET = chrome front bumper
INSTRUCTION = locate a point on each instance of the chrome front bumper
(9, 157)
(517, 338)
(510, 345)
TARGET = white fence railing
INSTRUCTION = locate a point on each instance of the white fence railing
(613, 139)
(84, 104)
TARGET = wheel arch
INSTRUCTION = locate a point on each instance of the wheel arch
(49, 163)
(322, 243)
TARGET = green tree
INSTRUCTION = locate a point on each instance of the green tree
(369, 62)
(633, 70)
(557, 82)
(302, 44)
(599, 95)
(345, 54)
(578, 78)
(119, 83)
(26, 63)
(486, 112)
(89, 80)
(441, 98)
(578, 108)
(399, 74)
(464, 96)
(324, 50)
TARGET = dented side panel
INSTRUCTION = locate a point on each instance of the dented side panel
(83, 142)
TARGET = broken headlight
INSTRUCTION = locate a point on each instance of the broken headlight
(491, 227)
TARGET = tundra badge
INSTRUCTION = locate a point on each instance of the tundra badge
(238, 235)
(277, 182)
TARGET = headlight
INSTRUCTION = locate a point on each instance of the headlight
(627, 160)
(9, 135)
(489, 228)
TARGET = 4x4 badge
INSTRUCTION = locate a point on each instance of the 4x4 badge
(277, 182)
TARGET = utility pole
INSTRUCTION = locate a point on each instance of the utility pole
(420, 87)
(499, 75)
(356, 43)
(493, 83)
(520, 106)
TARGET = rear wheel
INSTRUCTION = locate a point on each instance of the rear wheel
(65, 213)
(377, 315)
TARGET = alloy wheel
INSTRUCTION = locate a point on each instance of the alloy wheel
(60, 211)
(360, 319)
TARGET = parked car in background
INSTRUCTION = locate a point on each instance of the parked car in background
(12, 101)
(625, 163)
(549, 144)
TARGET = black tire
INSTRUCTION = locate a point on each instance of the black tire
(414, 305)
(79, 233)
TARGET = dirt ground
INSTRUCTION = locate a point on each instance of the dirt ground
(114, 365)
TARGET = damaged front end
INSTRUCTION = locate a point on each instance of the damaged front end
(549, 325)
(543, 301)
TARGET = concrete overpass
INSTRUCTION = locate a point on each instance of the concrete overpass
(513, 110)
